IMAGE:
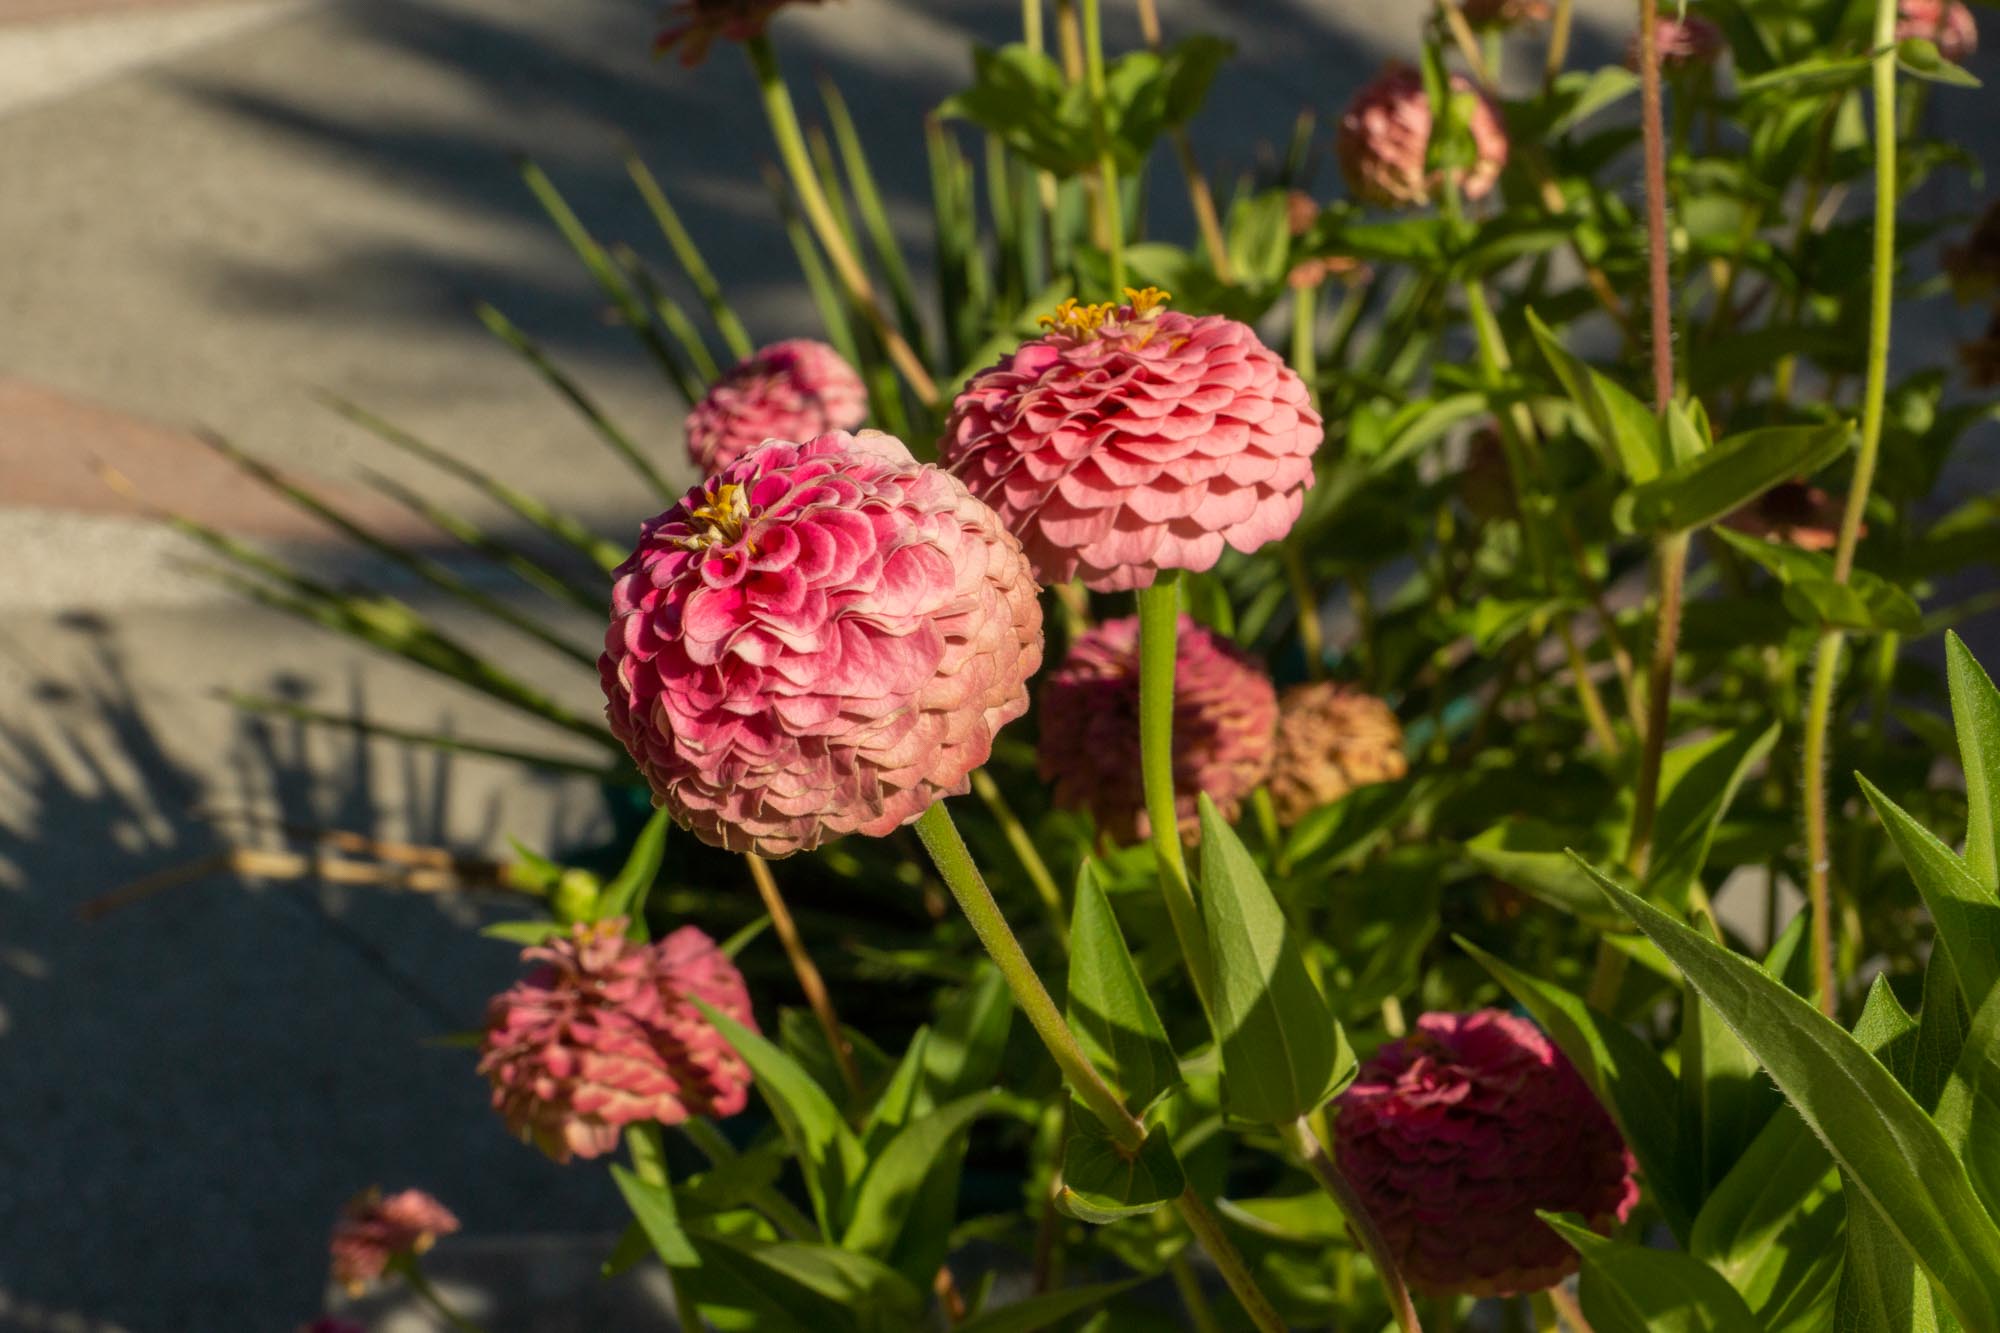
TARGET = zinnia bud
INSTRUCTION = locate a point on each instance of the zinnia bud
(1331, 739)
(1134, 439)
(821, 639)
(1504, 13)
(606, 1034)
(372, 1230)
(1455, 1135)
(1224, 712)
(791, 390)
(695, 24)
(1793, 513)
(1947, 23)
(1683, 43)
(1385, 135)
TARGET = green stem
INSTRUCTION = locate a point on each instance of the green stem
(1208, 1233)
(649, 1163)
(1159, 635)
(427, 1293)
(792, 150)
(1299, 1137)
(1826, 660)
(1112, 206)
(954, 863)
(987, 790)
(1188, 1284)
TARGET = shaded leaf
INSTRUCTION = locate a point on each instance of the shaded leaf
(1046, 1310)
(1633, 1289)
(1101, 1184)
(1108, 1005)
(1732, 474)
(1966, 913)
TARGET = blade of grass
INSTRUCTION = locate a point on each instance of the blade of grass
(607, 556)
(699, 275)
(617, 440)
(875, 217)
(669, 314)
(826, 297)
(254, 703)
(506, 555)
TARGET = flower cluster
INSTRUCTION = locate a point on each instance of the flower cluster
(1457, 1134)
(1132, 439)
(1384, 141)
(1225, 710)
(821, 639)
(606, 1034)
(373, 1230)
(791, 390)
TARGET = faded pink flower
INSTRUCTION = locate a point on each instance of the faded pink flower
(1224, 711)
(791, 390)
(1455, 1135)
(373, 1230)
(606, 1034)
(1683, 43)
(821, 639)
(1792, 513)
(694, 25)
(1385, 133)
(1504, 13)
(1947, 23)
(1133, 439)
(1331, 739)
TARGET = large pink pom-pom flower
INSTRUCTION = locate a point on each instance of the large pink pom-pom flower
(791, 390)
(606, 1034)
(1385, 134)
(373, 1230)
(695, 24)
(1947, 23)
(1455, 1135)
(1133, 439)
(1225, 716)
(821, 639)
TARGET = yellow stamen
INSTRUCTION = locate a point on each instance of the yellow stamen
(1102, 317)
(721, 520)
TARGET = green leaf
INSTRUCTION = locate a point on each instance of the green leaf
(1966, 913)
(1941, 1030)
(901, 1171)
(1775, 1216)
(1621, 1070)
(1190, 66)
(1817, 77)
(1920, 56)
(1108, 1005)
(1624, 430)
(1975, 709)
(1968, 1112)
(968, 1039)
(1279, 1044)
(1530, 854)
(1100, 1184)
(1633, 1289)
(818, 1287)
(1867, 601)
(653, 1206)
(1736, 471)
(1698, 781)
(827, 1150)
(626, 895)
(897, 1102)
(1044, 1311)
(1725, 1097)
(532, 932)
(1890, 1151)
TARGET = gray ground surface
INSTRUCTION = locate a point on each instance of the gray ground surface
(208, 212)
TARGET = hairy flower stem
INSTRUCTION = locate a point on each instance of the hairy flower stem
(1301, 1139)
(1112, 207)
(784, 118)
(1826, 660)
(807, 972)
(954, 863)
(1670, 555)
(1159, 638)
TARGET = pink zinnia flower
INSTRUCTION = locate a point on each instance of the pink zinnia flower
(1455, 1135)
(695, 24)
(1133, 439)
(606, 1034)
(1684, 43)
(1948, 23)
(1504, 13)
(821, 639)
(373, 1230)
(791, 390)
(1224, 711)
(1385, 134)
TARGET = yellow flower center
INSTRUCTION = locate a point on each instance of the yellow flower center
(1102, 318)
(719, 521)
